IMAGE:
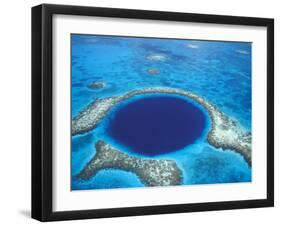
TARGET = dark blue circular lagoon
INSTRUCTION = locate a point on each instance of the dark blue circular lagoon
(157, 125)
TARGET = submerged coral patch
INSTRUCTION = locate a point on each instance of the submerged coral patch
(157, 57)
(192, 46)
(97, 85)
(153, 71)
(242, 51)
(108, 178)
(220, 167)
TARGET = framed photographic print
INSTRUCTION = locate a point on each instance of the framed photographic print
(145, 112)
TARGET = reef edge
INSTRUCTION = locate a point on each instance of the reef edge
(151, 172)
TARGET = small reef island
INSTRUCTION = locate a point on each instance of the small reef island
(225, 133)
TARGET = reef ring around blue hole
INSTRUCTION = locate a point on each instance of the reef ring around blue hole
(157, 125)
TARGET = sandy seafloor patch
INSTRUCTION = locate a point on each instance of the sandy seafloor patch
(218, 71)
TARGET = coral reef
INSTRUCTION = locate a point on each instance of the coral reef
(225, 133)
(242, 51)
(157, 57)
(150, 171)
(96, 85)
(192, 46)
(153, 71)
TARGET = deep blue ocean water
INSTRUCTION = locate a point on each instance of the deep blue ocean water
(218, 71)
(155, 125)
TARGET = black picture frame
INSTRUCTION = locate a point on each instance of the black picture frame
(42, 197)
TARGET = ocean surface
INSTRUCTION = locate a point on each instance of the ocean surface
(156, 125)
(218, 71)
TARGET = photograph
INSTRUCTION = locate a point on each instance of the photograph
(149, 112)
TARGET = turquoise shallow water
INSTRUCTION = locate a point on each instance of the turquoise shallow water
(218, 71)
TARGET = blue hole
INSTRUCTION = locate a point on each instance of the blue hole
(157, 125)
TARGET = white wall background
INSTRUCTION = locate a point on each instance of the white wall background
(15, 113)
